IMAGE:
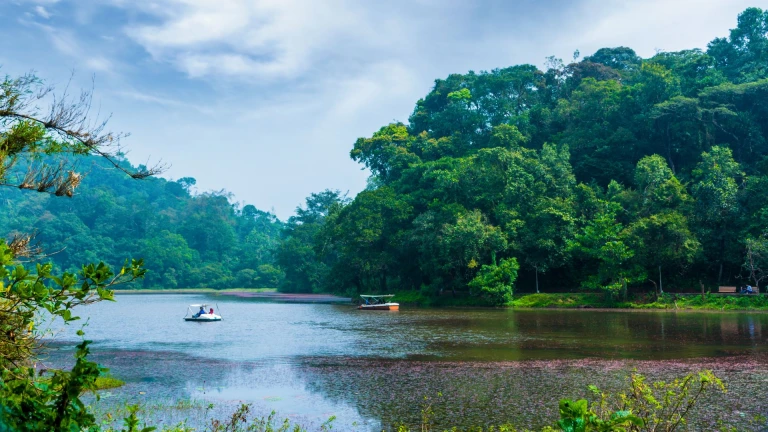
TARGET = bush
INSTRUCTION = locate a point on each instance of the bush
(496, 282)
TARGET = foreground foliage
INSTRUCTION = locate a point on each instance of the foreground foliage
(33, 155)
(612, 173)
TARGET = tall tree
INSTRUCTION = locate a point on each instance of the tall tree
(715, 190)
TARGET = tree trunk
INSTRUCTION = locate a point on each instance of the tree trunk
(702, 288)
(720, 273)
(655, 288)
(383, 282)
(669, 151)
(624, 288)
(537, 279)
(661, 288)
(722, 252)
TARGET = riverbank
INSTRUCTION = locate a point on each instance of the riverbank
(196, 291)
(712, 302)
(268, 294)
(668, 301)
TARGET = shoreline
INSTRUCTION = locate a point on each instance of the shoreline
(253, 293)
(194, 290)
(668, 302)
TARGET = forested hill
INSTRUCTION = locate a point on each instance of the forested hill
(186, 239)
(607, 173)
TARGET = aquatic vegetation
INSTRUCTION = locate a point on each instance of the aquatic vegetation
(645, 407)
(658, 406)
(525, 394)
(239, 421)
(106, 382)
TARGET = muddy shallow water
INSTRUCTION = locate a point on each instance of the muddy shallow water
(373, 369)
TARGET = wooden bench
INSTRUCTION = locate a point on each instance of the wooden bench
(733, 290)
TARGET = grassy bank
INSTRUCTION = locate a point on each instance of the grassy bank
(194, 290)
(715, 302)
(665, 301)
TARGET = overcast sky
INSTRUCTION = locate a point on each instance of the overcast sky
(265, 98)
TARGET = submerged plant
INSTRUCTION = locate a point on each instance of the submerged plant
(239, 422)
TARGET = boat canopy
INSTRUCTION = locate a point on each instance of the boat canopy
(198, 305)
(376, 299)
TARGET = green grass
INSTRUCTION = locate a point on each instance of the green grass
(713, 302)
(566, 301)
(103, 382)
(708, 302)
(193, 290)
(108, 382)
(665, 301)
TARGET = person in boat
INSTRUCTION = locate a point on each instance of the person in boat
(200, 312)
(211, 311)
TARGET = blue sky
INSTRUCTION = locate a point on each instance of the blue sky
(265, 98)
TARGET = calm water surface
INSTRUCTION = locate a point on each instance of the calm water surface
(310, 361)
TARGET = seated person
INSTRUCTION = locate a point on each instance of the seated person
(748, 290)
(210, 311)
(200, 312)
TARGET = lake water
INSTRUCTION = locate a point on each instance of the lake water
(372, 369)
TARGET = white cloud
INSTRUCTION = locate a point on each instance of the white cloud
(64, 41)
(42, 12)
(67, 43)
(161, 101)
(257, 38)
(99, 64)
(44, 2)
(650, 25)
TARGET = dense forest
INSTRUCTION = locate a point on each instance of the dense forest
(612, 172)
(186, 239)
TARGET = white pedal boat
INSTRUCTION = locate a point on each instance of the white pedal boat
(198, 316)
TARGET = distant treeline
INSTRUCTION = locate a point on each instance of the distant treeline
(607, 173)
(185, 239)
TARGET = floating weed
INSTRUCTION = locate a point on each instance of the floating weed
(108, 382)
(522, 393)
(381, 393)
